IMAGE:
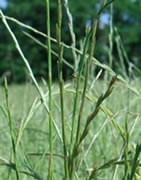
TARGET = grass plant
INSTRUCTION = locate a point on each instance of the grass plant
(80, 129)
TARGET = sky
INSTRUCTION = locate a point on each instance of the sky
(3, 4)
(104, 18)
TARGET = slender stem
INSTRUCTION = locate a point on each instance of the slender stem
(81, 64)
(126, 167)
(72, 34)
(50, 91)
(92, 46)
(111, 37)
(11, 130)
(88, 63)
(61, 85)
(76, 98)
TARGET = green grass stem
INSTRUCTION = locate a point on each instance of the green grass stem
(49, 59)
(111, 37)
(61, 85)
(14, 152)
(73, 38)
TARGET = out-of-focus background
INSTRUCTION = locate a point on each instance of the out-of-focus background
(126, 18)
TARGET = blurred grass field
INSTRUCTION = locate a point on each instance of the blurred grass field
(107, 142)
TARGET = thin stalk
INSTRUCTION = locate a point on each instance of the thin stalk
(124, 58)
(127, 135)
(135, 167)
(126, 165)
(89, 60)
(26, 120)
(111, 37)
(50, 173)
(73, 38)
(89, 43)
(45, 47)
(81, 64)
(61, 85)
(76, 98)
(11, 130)
(121, 57)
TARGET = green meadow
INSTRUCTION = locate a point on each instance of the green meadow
(103, 146)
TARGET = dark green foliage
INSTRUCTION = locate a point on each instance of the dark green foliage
(31, 14)
(126, 17)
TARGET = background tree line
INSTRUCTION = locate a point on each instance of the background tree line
(126, 18)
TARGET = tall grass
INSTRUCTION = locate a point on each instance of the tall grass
(84, 137)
